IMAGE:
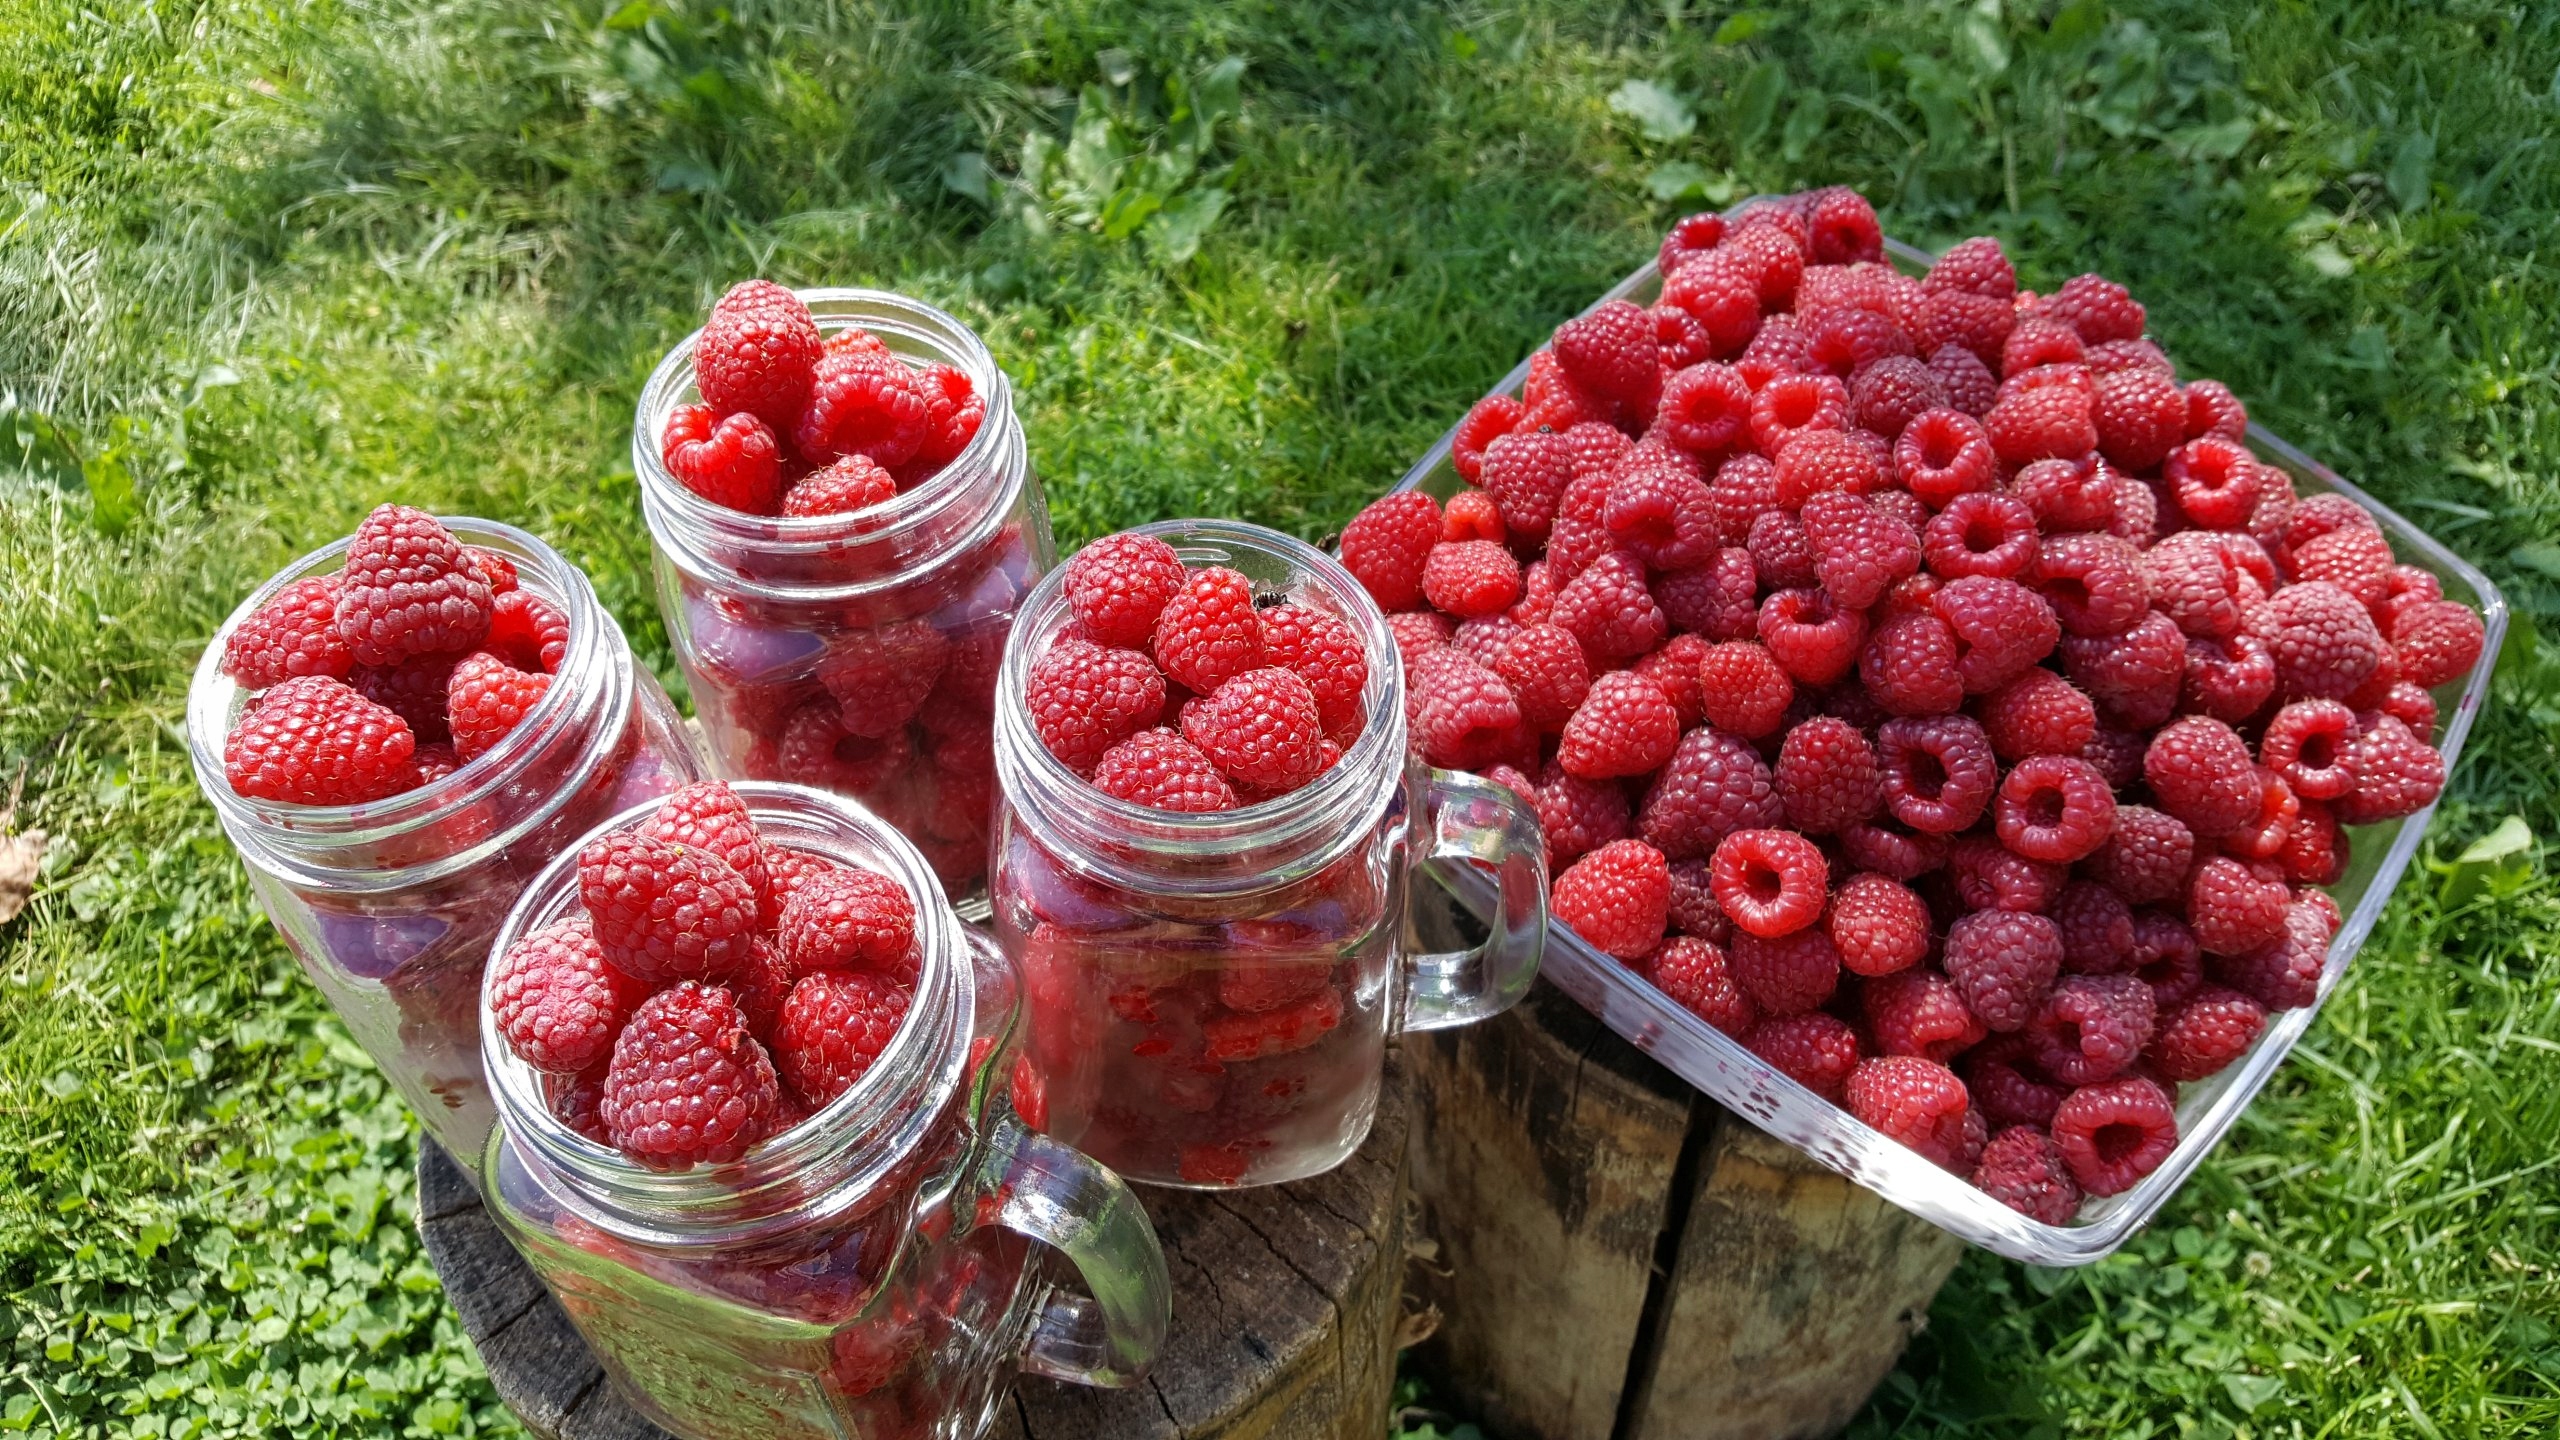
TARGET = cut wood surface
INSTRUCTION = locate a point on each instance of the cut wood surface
(1286, 1300)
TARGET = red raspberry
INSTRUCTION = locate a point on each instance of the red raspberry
(833, 1027)
(846, 486)
(2201, 1038)
(1579, 816)
(1537, 603)
(1677, 667)
(1690, 237)
(2109, 357)
(664, 911)
(2354, 557)
(1978, 325)
(2112, 1135)
(1462, 715)
(1472, 515)
(296, 633)
(1909, 666)
(1261, 729)
(1774, 244)
(1488, 420)
(1085, 698)
(756, 354)
(2093, 583)
(2320, 515)
(1826, 776)
(2141, 415)
(1782, 555)
(1843, 228)
(1544, 667)
(1770, 882)
(847, 919)
(1888, 394)
(2146, 856)
(1793, 405)
(2137, 512)
(2316, 852)
(556, 1001)
(1859, 551)
(500, 572)
(2117, 754)
(408, 589)
(526, 631)
(2201, 772)
(1706, 408)
(2396, 773)
(1693, 902)
(2404, 586)
(2046, 423)
(881, 677)
(734, 461)
(1713, 786)
(2023, 1169)
(688, 1084)
(1208, 632)
(1721, 291)
(2039, 713)
(2213, 410)
(2002, 629)
(1625, 726)
(1665, 518)
(1680, 339)
(2067, 495)
(1878, 925)
(1118, 585)
(1971, 387)
(2436, 641)
(2097, 929)
(435, 762)
(2166, 958)
(1386, 544)
(1919, 1012)
(1160, 769)
(1617, 898)
(485, 698)
(1939, 771)
(2284, 973)
(2006, 1086)
(2308, 743)
(1788, 975)
(2229, 679)
(2233, 907)
(1471, 578)
(1815, 640)
(1609, 610)
(708, 815)
(816, 749)
(863, 402)
(1417, 631)
(1555, 400)
(1988, 875)
(2134, 676)
(2005, 960)
(414, 689)
(1815, 461)
(2412, 707)
(1975, 267)
(1815, 1050)
(2214, 481)
(1944, 454)
(1609, 350)
(2092, 1027)
(2038, 341)
(2100, 309)
(1719, 600)
(1324, 653)
(1697, 976)
(2324, 645)
(2055, 808)
(1747, 691)
(1778, 349)
(953, 412)
(1915, 1103)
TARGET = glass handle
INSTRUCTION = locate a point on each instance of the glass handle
(1476, 822)
(1065, 1199)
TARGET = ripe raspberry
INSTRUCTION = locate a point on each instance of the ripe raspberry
(1609, 610)
(2067, 495)
(1988, 875)
(1161, 769)
(2201, 772)
(435, 762)
(1747, 691)
(1939, 771)
(953, 412)
(1815, 1050)
(847, 919)
(1472, 515)
(1721, 291)
(1085, 698)
(2039, 713)
(2229, 679)
(1461, 714)
(2097, 929)
(1815, 640)
(485, 698)
(2109, 357)
(1698, 978)
(1888, 394)
(2092, 1027)
(2055, 808)
(1324, 653)
(1909, 666)
(2165, 957)
(2214, 482)
(664, 911)
(1544, 667)
(1782, 555)
(2284, 973)
(2137, 512)
(2316, 853)
(1617, 898)
(2002, 629)
(816, 749)
(2023, 1169)
(1609, 350)
(526, 631)
(1778, 349)
(2112, 1135)
(2233, 907)
(1118, 585)
(1261, 729)
(2141, 416)
(1470, 578)
(2353, 557)
(1788, 975)
(756, 354)
(2047, 423)
(1418, 631)
(1625, 726)
(296, 633)
(1680, 340)
(1706, 408)
(1386, 544)
(2134, 676)
(2323, 643)
(2320, 515)
(688, 1085)
(1971, 387)
(2006, 1085)
(2005, 961)
(708, 815)
(1827, 776)
(1843, 228)
(863, 403)
(2099, 308)
(557, 1002)
(408, 589)
(881, 677)
(2117, 754)
(1665, 518)
(734, 461)
(2037, 342)
(1713, 786)
(1793, 405)
(1693, 902)
(1859, 551)
(2146, 857)
(1814, 462)
(1878, 925)
(846, 486)
(414, 689)
(2404, 586)
(1913, 1102)
(2396, 773)
(1208, 632)
(2436, 641)
(2202, 1037)
(2093, 583)
(1537, 603)
(2308, 743)
(1919, 1012)
(1719, 600)
(2213, 410)
(2412, 707)
(833, 1026)
(1677, 667)
(1579, 816)
(1944, 454)
(1770, 882)
(1979, 325)
(1488, 420)
(1690, 237)
(1975, 267)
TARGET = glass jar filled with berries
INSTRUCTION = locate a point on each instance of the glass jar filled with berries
(845, 520)
(398, 732)
(755, 1139)
(1210, 822)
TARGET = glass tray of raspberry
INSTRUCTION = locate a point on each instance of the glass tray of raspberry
(1719, 1065)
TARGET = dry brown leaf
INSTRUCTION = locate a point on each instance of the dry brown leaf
(20, 857)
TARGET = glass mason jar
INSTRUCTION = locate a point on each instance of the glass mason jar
(857, 653)
(1211, 995)
(876, 1271)
(390, 905)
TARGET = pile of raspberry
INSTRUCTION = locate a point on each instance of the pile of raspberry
(1920, 683)
(712, 989)
(395, 672)
(1262, 698)
(792, 422)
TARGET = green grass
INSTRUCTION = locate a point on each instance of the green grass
(264, 265)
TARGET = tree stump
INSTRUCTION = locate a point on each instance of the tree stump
(1285, 1305)
(1620, 1258)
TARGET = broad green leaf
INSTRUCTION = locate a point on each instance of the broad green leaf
(1756, 102)
(2211, 142)
(113, 499)
(1091, 164)
(1462, 46)
(29, 440)
(1744, 25)
(2542, 555)
(1804, 125)
(2496, 863)
(1116, 65)
(2329, 260)
(1662, 116)
(2412, 170)
(2076, 23)
(1982, 43)
(631, 16)
(1175, 233)
(2250, 1392)
(1126, 210)
(967, 174)
(1686, 180)
(1219, 92)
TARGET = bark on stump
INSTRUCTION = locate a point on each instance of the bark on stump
(1285, 1305)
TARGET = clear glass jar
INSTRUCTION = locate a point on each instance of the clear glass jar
(876, 1270)
(390, 905)
(1210, 996)
(857, 653)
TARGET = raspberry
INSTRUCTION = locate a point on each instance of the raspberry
(1988, 875)
(408, 589)
(1680, 339)
(2137, 512)
(500, 572)
(1693, 902)
(1878, 925)
(2213, 410)
(2396, 773)
(2023, 1169)
(1919, 1012)
(953, 412)
(1909, 667)
(815, 749)
(2141, 415)
(664, 911)
(1544, 667)
(1417, 631)
(863, 403)
(1777, 349)
(1712, 786)
(1770, 882)
(1386, 544)
(2006, 1086)
(296, 633)
(2316, 853)
(1706, 408)
(2404, 586)
(708, 815)
(1617, 898)
(2146, 857)
(1160, 769)
(2038, 341)
(1977, 325)
(2308, 743)
(1901, 505)
(1609, 610)
(2002, 628)
(845, 486)
(1085, 698)
(1826, 776)
(2117, 754)
(1859, 551)
(1208, 632)
(1678, 668)
(688, 1084)
(1261, 729)
(1944, 454)
(576, 1101)
(2321, 515)
(2232, 907)
(1579, 816)
(557, 1002)
(1118, 585)
(1461, 714)
(2093, 583)
(313, 741)
(1815, 640)
(2099, 308)
(734, 462)
(1788, 975)
(2047, 423)
(1472, 515)
(2165, 957)
(1814, 1050)
(1915, 1103)
(1688, 238)
(1697, 976)
(2201, 773)
(2092, 1027)
(2229, 679)
(1971, 387)
(847, 919)
(1782, 555)
(1975, 267)
(2214, 482)
(1719, 600)
(1664, 517)
(1888, 394)
(2323, 643)
(2039, 713)
(1939, 771)
(833, 1026)
(2055, 808)
(2202, 1037)
(2067, 495)
(1625, 726)
(2097, 929)
(1816, 461)
(1609, 350)
(1488, 420)
(414, 689)
(526, 631)
(2437, 641)
(1537, 603)
(756, 354)
(1793, 405)
(2005, 961)
(2133, 677)
(435, 762)
(2109, 357)
(2284, 973)
(1747, 691)
(1470, 578)
(1843, 228)
(1324, 653)
(881, 677)
(2112, 1135)
(2412, 707)
(1721, 291)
